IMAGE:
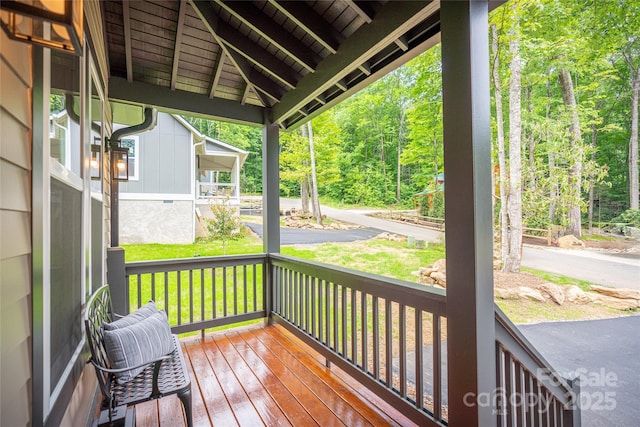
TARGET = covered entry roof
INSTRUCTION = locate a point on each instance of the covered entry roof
(234, 59)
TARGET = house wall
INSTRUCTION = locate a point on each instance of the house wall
(165, 160)
(16, 81)
(159, 206)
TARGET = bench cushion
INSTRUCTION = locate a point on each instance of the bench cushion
(139, 343)
(140, 314)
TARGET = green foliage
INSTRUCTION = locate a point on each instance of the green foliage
(630, 216)
(432, 205)
(225, 224)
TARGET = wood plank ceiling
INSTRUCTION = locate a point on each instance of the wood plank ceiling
(233, 59)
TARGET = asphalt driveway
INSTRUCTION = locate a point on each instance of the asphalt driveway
(301, 236)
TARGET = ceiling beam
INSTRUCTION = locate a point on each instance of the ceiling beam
(392, 20)
(216, 75)
(312, 23)
(255, 19)
(403, 42)
(210, 21)
(176, 49)
(127, 39)
(362, 9)
(178, 101)
(257, 55)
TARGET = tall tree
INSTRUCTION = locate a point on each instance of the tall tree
(502, 163)
(312, 178)
(514, 204)
(575, 145)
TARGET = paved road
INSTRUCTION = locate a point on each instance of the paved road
(605, 354)
(607, 269)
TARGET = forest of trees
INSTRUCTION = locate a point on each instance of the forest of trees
(565, 81)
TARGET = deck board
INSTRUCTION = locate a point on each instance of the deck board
(266, 376)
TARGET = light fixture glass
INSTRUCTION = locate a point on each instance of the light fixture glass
(120, 162)
(55, 24)
(96, 161)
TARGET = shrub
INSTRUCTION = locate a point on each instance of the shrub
(225, 224)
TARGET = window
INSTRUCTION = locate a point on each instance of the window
(132, 143)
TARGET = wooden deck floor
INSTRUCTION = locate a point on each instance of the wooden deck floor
(266, 376)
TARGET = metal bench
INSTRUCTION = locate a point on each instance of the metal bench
(164, 376)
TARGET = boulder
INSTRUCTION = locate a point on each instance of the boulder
(440, 265)
(529, 293)
(574, 294)
(622, 293)
(440, 278)
(511, 293)
(617, 303)
(554, 291)
(570, 242)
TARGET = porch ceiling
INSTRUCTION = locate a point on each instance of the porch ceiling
(234, 59)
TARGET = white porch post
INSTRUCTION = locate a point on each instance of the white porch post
(469, 235)
(270, 185)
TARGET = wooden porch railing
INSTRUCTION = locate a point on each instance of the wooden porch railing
(388, 334)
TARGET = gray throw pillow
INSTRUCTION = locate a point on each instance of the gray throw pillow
(142, 313)
(142, 342)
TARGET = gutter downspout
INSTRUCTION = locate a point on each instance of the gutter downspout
(150, 118)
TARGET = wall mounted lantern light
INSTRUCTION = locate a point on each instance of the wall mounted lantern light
(120, 162)
(55, 24)
(96, 160)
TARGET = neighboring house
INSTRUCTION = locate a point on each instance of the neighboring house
(174, 173)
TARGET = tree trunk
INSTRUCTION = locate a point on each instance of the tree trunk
(314, 182)
(399, 168)
(502, 163)
(304, 194)
(512, 263)
(532, 147)
(575, 141)
(594, 137)
(553, 186)
(634, 190)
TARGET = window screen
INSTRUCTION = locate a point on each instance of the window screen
(66, 276)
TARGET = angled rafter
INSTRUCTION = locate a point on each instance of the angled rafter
(365, 68)
(127, 39)
(256, 55)
(392, 21)
(252, 17)
(362, 9)
(176, 50)
(216, 75)
(312, 23)
(210, 21)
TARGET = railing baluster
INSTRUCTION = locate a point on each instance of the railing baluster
(304, 306)
(255, 288)
(202, 298)
(153, 286)
(343, 296)
(313, 300)
(354, 327)
(376, 338)
(517, 367)
(139, 278)
(244, 287)
(508, 364)
(321, 313)
(365, 332)
(224, 291)
(335, 318)
(166, 292)
(214, 292)
(235, 290)
(419, 374)
(190, 296)
(179, 277)
(327, 307)
(437, 366)
(403, 349)
(388, 343)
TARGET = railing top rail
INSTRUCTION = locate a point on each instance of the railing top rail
(509, 336)
(156, 266)
(410, 294)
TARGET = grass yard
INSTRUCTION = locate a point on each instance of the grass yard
(377, 256)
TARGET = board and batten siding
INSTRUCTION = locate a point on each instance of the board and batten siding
(164, 160)
(16, 81)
